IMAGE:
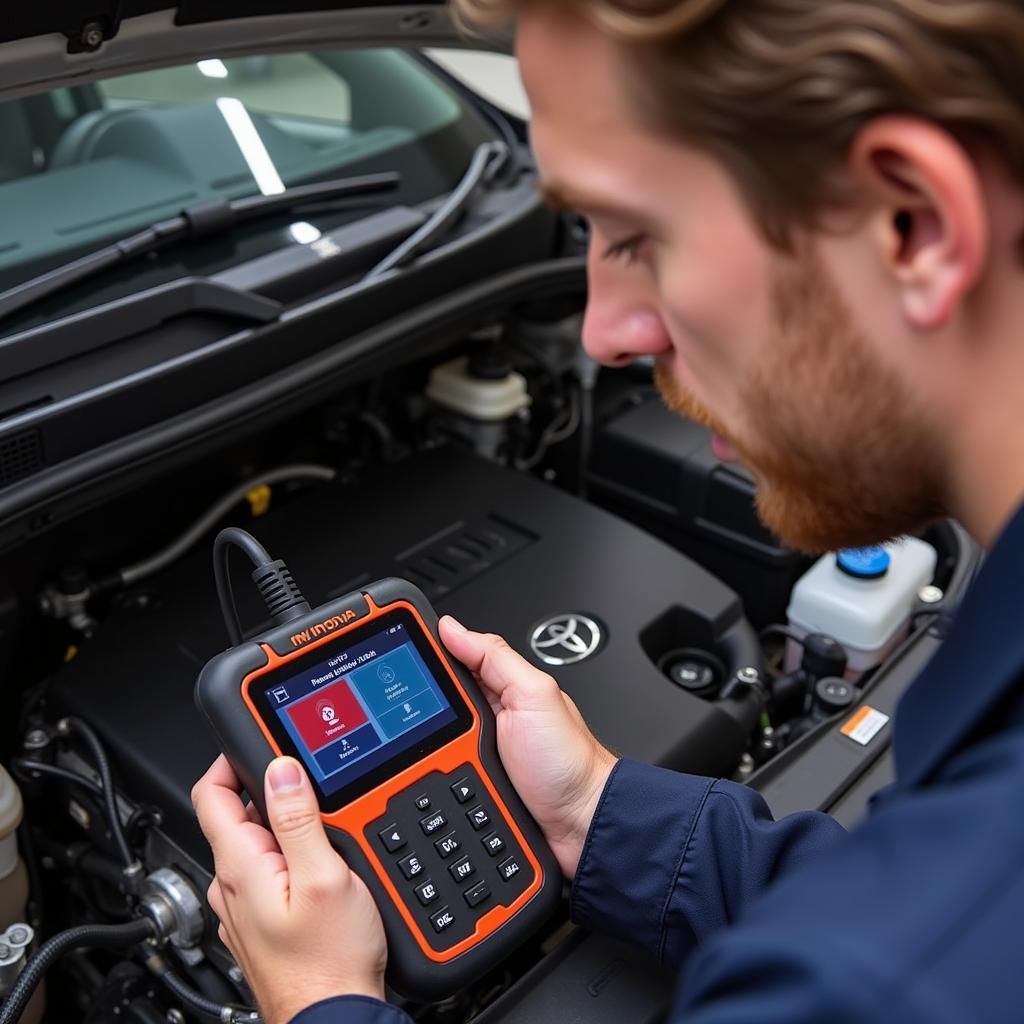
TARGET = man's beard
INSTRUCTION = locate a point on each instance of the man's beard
(842, 456)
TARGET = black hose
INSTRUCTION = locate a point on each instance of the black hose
(109, 796)
(25, 767)
(230, 537)
(97, 936)
(197, 1002)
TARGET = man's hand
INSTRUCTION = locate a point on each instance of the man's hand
(301, 925)
(557, 766)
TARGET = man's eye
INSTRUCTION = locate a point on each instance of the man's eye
(628, 250)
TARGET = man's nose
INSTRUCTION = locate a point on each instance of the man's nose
(621, 322)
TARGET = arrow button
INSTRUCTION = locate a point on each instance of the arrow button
(463, 790)
(392, 838)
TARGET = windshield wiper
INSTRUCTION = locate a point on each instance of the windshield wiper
(203, 220)
(489, 161)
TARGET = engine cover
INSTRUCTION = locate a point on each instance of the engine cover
(496, 548)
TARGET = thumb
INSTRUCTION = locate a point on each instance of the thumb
(500, 669)
(294, 818)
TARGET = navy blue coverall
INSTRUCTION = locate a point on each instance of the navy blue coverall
(915, 917)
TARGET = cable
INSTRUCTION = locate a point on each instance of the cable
(148, 566)
(196, 1001)
(98, 936)
(562, 427)
(26, 768)
(780, 630)
(279, 591)
(109, 797)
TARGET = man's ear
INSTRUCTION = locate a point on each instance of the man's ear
(928, 214)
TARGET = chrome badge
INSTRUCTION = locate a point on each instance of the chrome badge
(566, 639)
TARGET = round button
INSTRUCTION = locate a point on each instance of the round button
(832, 694)
(696, 671)
(864, 563)
(691, 675)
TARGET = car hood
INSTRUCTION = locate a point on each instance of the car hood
(54, 42)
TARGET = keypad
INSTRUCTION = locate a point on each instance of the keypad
(447, 881)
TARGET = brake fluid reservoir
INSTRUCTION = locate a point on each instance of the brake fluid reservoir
(13, 877)
(863, 597)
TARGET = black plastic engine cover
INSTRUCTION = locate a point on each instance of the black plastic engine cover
(498, 549)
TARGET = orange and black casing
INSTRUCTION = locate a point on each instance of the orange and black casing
(422, 965)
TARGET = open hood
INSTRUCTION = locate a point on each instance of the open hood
(51, 43)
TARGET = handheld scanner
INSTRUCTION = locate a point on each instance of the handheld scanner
(400, 746)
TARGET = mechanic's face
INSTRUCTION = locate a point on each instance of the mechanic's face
(756, 345)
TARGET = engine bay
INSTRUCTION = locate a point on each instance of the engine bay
(525, 493)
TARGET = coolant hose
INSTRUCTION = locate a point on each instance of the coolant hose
(96, 936)
(199, 1004)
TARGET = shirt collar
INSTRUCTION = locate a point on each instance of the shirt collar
(981, 659)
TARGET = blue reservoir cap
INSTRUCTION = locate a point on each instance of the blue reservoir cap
(864, 563)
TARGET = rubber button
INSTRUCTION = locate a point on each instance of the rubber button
(475, 895)
(509, 868)
(493, 843)
(447, 845)
(411, 866)
(426, 893)
(392, 838)
(433, 822)
(478, 818)
(422, 802)
(461, 869)
(442, 919)
(463, 790)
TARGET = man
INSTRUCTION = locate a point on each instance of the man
(811, 214)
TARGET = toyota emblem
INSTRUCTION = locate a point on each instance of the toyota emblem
(566, 639)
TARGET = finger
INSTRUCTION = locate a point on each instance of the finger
(501, 670)
(295, 818)
(237, 841)
(215, 898)
(218, 805)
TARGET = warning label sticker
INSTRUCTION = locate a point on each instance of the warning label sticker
(865, 725)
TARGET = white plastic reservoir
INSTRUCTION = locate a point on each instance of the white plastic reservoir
(863, 597)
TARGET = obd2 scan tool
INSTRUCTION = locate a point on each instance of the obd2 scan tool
(400, 746)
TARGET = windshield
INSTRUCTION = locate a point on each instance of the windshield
(89, 164)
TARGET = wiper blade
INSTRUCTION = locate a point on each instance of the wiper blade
(488, 161)
(215, 217)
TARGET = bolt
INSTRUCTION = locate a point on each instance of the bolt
(19, 935)
(930, 595)
(236, 975)
(748, 676)
(92, 35)
(175, 1017)
(36, 739)
(746, 766)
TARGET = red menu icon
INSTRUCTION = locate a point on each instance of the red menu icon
(326, 715)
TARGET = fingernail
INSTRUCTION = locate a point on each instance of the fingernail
(284, 774)
(454, 625)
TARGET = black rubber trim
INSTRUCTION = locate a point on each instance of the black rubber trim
(274, 397)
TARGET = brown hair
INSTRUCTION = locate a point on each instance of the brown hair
(778, 89)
